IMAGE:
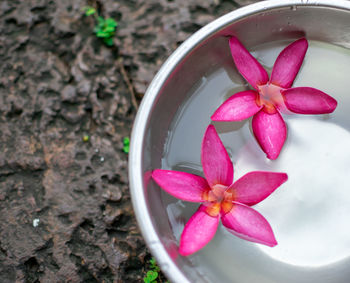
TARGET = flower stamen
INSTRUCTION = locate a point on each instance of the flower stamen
(219, 200)
(226, 206)
(213, 209)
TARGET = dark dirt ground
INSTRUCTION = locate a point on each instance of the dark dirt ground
(58, 82)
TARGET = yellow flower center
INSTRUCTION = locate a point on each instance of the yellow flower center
(219, 199)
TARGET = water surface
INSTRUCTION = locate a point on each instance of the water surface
(309, 214)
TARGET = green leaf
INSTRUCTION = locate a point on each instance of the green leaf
(111, 22)
(102, 34)
(108, 41)
(109, 29)
(146, 280)
(152, 261)
(152, 275)
(154, 265)
(126, 142)
(89, 10)
(101, 21)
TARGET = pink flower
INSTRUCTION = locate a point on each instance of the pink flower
(220, 197)
(272, 95)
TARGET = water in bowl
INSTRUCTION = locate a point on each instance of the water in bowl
(309, 214)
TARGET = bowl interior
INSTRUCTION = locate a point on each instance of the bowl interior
(254, 27)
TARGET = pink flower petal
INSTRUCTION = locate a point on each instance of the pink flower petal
(198, 231)
(217, 165)
(248, 224)
(270, 132)
(307, 100)
(247, 65)
(238, 107)
(288, 63)
(254, 187)
(181, 185)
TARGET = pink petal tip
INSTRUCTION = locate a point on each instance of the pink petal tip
(308, 100)
(288, 63)
(270, 131)
(248, 224)
(254, 187)
(181, 185)
(198, 231)
(247, 65)
(238, 107)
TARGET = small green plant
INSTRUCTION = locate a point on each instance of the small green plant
(152, 274)
(153, 264)
(86, 138)
(89, 10)
(126, 144)
(105, 28)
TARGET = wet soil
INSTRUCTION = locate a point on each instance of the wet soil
(65, 209)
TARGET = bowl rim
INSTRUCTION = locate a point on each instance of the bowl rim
(136, 175)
